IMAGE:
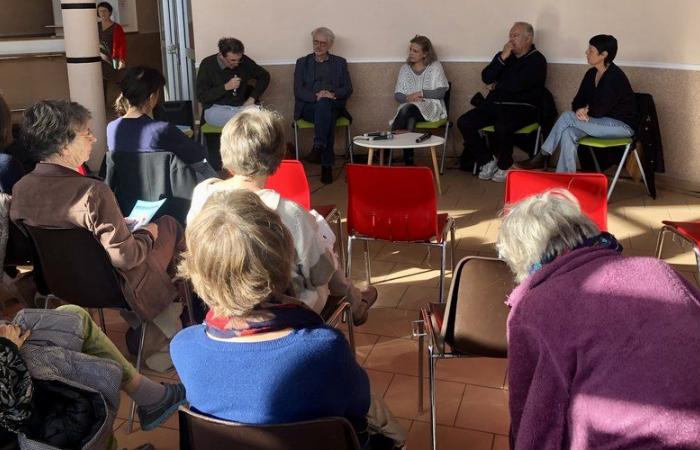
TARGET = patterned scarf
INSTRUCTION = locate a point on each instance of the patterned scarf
(603, 240)
(274, 314)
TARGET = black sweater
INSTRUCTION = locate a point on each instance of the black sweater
(211, 79)
(613, 97)
(516, 79)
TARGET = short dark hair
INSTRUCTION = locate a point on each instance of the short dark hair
(605, 43)
(105, 5)
(230, 45)
(138, 84)
(50, 125)
(427, 47)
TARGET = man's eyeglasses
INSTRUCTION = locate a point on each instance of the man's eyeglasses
(320, 43)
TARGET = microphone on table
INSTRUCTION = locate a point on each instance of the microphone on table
(423, 137)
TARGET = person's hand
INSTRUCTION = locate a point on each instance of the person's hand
(582, 114)
(507, 50)
(415, 97)
(14, 334)
(233, 83)
(249, 102)
(324, 94)
(151, 228)
(121, 65)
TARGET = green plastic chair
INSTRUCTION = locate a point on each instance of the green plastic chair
(527, 129)
(437, 124)
(302, 124)
(594, 142)
(208, 128)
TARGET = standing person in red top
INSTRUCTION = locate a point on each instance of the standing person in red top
(112, 45)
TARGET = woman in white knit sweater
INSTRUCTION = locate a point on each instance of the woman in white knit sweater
(252, 148)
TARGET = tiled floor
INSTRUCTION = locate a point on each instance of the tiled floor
(472, 409)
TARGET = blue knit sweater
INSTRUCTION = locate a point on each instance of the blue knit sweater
(310, 373)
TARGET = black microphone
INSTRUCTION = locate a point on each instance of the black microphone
(423, 137)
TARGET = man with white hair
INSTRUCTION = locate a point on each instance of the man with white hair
(321, 87)
(516, 75)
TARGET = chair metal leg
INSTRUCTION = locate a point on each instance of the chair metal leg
(431, 385)
(101, 313)
(452, 245)
(351, 328)
(421, 345)
(139, 357)
(444, 148)
(537, 141)
(641, 170)
(619, 170)
(348, 264)
(296, 140)
(368, 268)
(660, 242)
(349, 145)
(696, 250)
(339, 236)
(188, 302)
(443, 257)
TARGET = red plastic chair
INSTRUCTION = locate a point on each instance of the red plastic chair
(290, 182)
(396, 204)
(589, 188)
(688, 231)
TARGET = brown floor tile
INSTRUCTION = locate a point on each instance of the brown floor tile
(389, 322)
(395, 355)
(363, 345)
(448, 438)
(389, 294)
(417, 297)
(484, 409)
(379, 381)
(490, 372)
(412, 254)
(501, 442)
(402, 399)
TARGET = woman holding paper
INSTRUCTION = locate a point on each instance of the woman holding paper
(54, 195)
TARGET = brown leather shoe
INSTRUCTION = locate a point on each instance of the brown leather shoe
(537, 162)
(361, 311)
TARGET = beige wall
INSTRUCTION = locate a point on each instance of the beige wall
(649, 30)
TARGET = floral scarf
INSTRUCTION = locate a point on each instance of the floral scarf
(274, 314)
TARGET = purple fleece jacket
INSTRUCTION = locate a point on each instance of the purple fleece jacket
(604, 353)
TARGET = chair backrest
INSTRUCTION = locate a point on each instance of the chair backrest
(19, 246)
(290, 182)
(151, 176)
(392, 203)
(72, 265)
(589, 188)
(476, 315)
(201, 432)
(177, 112)
(447, 98)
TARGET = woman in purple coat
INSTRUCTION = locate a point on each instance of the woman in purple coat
(604, 350)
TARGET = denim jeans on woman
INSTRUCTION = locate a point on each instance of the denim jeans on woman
(568, 130)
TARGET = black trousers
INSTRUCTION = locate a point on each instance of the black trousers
(406, 119)
(506, 119)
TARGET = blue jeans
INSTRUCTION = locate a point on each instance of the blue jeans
(323, 115)
(568, 130)
(219, 115)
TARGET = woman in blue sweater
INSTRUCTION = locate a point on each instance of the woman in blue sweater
(262, 357)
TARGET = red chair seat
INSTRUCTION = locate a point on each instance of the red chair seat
(689, 230)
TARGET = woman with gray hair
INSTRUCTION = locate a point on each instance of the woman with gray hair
(603, 349)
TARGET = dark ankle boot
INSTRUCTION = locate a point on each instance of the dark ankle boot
(326, 174)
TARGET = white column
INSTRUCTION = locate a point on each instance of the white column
(85, 69)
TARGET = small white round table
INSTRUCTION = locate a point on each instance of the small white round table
(400, 142)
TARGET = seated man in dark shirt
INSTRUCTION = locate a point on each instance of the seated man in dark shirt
(517, 75)
(222, 82)
(604, 107)
(321, 88)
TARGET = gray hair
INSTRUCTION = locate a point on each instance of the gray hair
(50, 125)
(541, 226)
(252, 143)
(527, 27)
(326, 32)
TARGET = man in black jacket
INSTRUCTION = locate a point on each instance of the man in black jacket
(223, 80)
(321, 87)
(517, 75)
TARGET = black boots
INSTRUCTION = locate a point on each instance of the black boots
(326, 174)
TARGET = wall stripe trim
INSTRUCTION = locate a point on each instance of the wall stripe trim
(85, 5)
(83, 60)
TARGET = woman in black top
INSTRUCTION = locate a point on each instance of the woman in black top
(604, 107)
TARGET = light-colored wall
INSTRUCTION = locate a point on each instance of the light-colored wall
(25, 18)
(658, 50)
(648, 30)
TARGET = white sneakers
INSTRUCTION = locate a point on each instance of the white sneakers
(490, 171)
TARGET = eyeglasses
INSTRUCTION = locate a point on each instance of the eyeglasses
(320, 43)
